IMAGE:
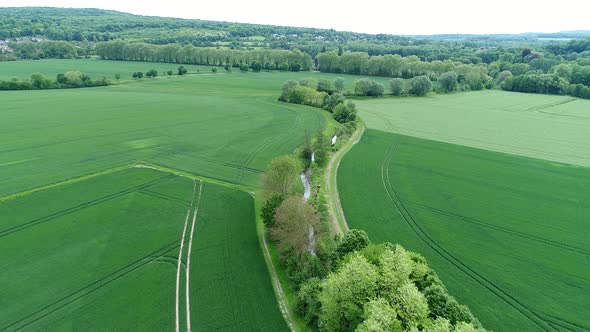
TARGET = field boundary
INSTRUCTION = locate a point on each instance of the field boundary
(188, 260)
(337, 218)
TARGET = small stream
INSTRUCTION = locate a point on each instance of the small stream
(306, 195)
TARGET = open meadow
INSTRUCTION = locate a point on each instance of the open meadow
(496, 199)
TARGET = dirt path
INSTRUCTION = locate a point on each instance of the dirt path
(188, 261)
(188, 213)
(338, 223)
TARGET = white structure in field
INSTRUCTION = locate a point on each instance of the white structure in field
(334, 139)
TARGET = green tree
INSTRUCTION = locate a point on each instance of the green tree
(281, 175)
(448, 81)
(339, 84)
(38, 81)
(308, 305)
(214, 70)
(421, 85)
(182, 71)
(169, 72)
(379, 317)
(345, 294)
(244, 67)
(354, 240)
(345, 113)
(117, 77)
(295, 220)
(320, 148)
(152, 73)
(269, 209)
(411, 305)
(396, 86)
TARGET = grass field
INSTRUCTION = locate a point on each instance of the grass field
(538, 126)
(508, 234)
(109, 248)
(89, 243)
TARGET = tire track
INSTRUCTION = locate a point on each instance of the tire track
(88, 289)
(498, 228)
(82, 206)
(422, 235)
(188, 261)
(188, 213)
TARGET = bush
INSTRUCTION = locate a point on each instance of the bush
(214, 70)
(448, 81)
(354, 240)
(396, 86)
(182, 70)
(270, 208)
(421, 85)
(244, 67)
(345, 113)
(256, 66)
(169, 72)
(366, 87)
(151, 73)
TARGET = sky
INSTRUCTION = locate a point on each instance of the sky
(376, 16)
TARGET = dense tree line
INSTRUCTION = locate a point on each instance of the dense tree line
(70, 79)
(294, 60)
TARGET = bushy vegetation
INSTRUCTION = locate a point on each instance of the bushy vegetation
(70, 79)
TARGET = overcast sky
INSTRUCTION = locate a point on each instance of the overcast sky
(376, 16)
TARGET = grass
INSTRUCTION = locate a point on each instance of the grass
(538, 126)
(108, 248)
(507, 234)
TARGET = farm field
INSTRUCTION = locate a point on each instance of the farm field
(506, 233)
(538, 126)
(108, 247)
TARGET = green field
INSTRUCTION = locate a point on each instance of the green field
(538, 126)
(86, 236)
(109, 246)
(507, 233)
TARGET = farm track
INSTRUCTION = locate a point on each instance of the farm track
(188, 260)
(82, 206)
(498, 228)
(417, 229)
(89, 289)
(179, 258)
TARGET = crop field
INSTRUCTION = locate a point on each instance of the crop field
(109, 246)
(507, 233)
(538, 126)
(85, 235)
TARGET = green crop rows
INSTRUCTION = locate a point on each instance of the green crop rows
(507, 233)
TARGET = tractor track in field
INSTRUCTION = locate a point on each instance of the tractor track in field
(492, 185)
(188, 260)
(269, 141)
(179, 258)
(89, 289)
(83, 206)
(498, 228)
(422, 235)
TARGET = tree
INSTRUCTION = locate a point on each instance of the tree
(411, 305)
(379, 317)
(332, 101)
(169, 72)
(325, 86)
(396, 267)
(38, 81)
(117, 77)
(281, 175)
(339, 84)
(244, 67)
(308, 306)
(366, 87)
(354, 240)
(340, 51)
(269, 209)
(345, 294)
(396, 86)
(152, 73)
(448, 81)
(320, 148)
(295, 220)
(137, 75)
(256, 66)
(421, 85)
(182, 71)
(345, 113)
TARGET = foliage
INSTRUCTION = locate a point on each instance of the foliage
(294, 221)
(152, 73)
(448, 81)
(421, 85)
(396, 86)
(71, 79)
(344, 113)
(269, 209)
(367, 87)
(182, 70)
(280, 175)
(354, 240)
